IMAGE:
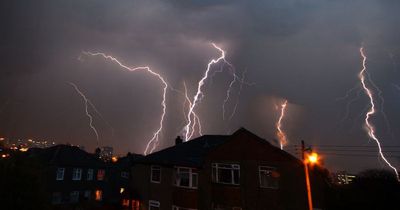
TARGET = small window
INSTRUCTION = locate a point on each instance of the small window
(135, 204)
(60, 173)
(155, 174)
(125, 174)
(154, 205)
(269, 177)
(76, 174)
(89, 174)
(56, 199)
(185, 177)
(226, 173)
(99, 195)
(86, 195)
(100, 174)
(74, 197)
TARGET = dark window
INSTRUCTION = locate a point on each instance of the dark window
(185, 177)
(226, 173)
(269, 177)
(155, 174)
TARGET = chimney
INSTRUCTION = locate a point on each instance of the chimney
(178, 140)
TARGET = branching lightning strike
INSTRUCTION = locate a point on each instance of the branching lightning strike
(372, 111)
(188, 129)
(87, 102)
(280, 133)
(154, 141)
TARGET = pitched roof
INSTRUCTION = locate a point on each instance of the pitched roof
(190, 153)
(193, 152)
(65, 155)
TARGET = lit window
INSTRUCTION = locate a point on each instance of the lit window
(76, 174)
(124, 174)
(89, 174)
(56, 198)
(100, 174)
(60, 173)
(125, 202)
(269, 177)
(74, 197)
(185, 177)
(156, 174)
(154, 205)
(226, 173)
(99, 195)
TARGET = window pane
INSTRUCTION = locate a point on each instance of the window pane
(224, 176)
(194, 180)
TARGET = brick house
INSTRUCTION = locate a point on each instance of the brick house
(238, 171)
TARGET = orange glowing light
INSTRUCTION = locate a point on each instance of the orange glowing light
(99, 195)
(114, 159)
(313, 158)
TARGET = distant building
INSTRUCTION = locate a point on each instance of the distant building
(217, 172)
(343, 178)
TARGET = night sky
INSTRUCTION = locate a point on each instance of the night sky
(305, 51)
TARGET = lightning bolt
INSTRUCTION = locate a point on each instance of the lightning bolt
(86, 102)
(154, 141)
(372, 111)
(196, 119)
(238, 95)
(280, 133)
(199, 94)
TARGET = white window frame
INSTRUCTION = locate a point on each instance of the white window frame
(227, 166)
(153, 168)
(180, 208)
(89, 175)
(60, 174)
(76, 174)
(193, 182)
(266, 169)
(153, 203)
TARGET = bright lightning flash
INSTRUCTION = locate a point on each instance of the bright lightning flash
(189, 127)
(280, 133)
(87, 102)
(369, 126)
(154, 141)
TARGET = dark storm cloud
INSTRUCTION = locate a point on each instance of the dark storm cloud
(301, 50)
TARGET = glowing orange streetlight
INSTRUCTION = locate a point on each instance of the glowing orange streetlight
(312, 158)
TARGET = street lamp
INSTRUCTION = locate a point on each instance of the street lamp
(312, 158)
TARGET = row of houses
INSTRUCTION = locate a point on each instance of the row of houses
(218, 172)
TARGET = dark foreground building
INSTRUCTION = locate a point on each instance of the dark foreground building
(75, 179)
(235, 172)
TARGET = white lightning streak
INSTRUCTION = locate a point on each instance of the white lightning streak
(86, 102)
(154, 141)
(199, 94)
(369, 126)
(281, 135)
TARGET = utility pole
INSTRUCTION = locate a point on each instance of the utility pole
(305, 163)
